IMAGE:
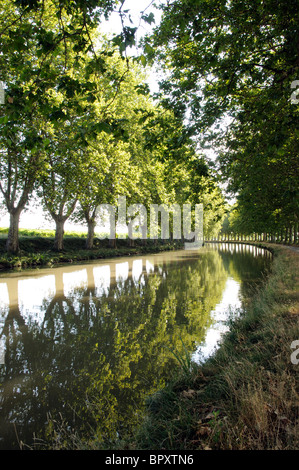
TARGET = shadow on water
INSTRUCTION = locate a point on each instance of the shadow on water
(91, 342)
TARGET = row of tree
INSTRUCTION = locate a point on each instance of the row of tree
(234, 228)
(79, 127)
(232, 67)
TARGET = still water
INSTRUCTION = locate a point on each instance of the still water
(86, 344)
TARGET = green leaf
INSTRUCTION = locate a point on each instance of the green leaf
(150, 18)
(46, 142)
(149, 49)
(103, 127)
(143, 60)
(3, 119)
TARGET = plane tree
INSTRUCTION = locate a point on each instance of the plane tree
(40, 43)
(22, 137)
(230, 70)
(47, 48)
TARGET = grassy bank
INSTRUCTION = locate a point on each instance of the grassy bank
(36, 250)
(247, 396)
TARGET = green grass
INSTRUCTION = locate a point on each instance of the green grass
(246, 397)
(45, 233)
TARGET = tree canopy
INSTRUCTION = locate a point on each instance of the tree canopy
(79, 126)
(230, 69)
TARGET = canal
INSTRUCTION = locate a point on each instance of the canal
(82, 347)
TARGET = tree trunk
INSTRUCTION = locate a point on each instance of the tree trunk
(12, 244)
(90, 234)
(58, 242)
(112, 242)
(60, 220)
(286, 235)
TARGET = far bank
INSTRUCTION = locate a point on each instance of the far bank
(36, 250)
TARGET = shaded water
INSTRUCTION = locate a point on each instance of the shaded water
(88, 343)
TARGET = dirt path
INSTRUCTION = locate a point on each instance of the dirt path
(294, 248)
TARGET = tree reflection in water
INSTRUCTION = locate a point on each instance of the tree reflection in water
(91, 342)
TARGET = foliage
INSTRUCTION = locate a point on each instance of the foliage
(229, 68)
(79, 126)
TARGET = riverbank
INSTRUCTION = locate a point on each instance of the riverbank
(36, 250)
(246, 397)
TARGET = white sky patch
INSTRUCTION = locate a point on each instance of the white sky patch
(137, 269)
(32, 293)
(230, 302)
(4, 300)
(101, 279)
(74, 280)
(121, 271)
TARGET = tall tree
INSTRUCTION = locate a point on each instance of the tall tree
(236, 62)
(60, 183)
(22, 136)
(40, 42)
